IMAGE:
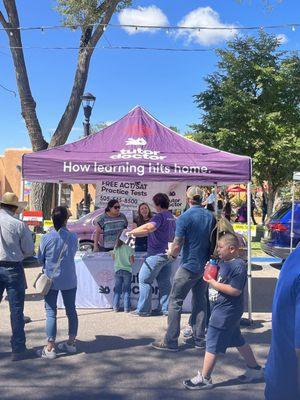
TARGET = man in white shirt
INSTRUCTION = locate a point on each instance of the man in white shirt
(16, 243)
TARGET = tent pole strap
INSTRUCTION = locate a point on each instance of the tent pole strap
(292, 217)
(249, 271)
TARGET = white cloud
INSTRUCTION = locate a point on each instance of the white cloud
(144, 16)
(282, 38)
(206, 17)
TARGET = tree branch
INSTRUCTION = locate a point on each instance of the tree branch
(88, 42)
(3, 21)
(28, 105)
(109, 7)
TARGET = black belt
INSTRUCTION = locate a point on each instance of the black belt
(9, 264)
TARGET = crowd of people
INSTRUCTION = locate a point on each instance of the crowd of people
(193, 235)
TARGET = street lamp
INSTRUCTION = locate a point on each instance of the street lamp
(87, 101)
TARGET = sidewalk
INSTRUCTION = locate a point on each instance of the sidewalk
(116, 362)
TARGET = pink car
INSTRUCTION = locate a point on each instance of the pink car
(85, 229)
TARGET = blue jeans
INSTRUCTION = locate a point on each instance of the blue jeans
(12, 279)
(154, 267)
(51, 311)
(122, 285)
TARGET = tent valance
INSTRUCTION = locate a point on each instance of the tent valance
(137, 147)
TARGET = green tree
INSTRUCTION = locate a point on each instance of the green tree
(252, 107)
(174, 128)
(91, 17)
(98, 127)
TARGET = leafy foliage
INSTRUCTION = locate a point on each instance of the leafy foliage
(252, 107)
(174, 128)
(84, 12)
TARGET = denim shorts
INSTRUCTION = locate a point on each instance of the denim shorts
(218, 340)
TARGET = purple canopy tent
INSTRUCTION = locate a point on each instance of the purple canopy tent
(139, 147)
(136, 147)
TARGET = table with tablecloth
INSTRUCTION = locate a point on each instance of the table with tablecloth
(95, 275)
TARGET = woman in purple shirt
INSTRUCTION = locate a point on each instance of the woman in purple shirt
(57, 251)
(160, 231)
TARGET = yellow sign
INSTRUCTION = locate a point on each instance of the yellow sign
(243, 229)
(47, 224)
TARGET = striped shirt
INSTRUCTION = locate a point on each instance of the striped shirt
(111, 227)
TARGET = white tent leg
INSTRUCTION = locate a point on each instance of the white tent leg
(216, 199)
(59, 193)
(292, 217)
(249, 271)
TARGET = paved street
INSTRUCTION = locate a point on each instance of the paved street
(115, 360)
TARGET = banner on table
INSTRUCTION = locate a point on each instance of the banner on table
(131, 194)
(96, 280)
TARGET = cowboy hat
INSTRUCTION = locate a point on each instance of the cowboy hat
(10, 199)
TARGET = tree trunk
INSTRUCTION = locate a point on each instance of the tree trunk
(88, 42)
(28, 104)
(42, 193)
(271, 200)
(42, 198)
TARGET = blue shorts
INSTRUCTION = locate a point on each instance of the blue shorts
(218, 340)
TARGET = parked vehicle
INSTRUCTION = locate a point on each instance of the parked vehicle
(85, 229)
(277, 239)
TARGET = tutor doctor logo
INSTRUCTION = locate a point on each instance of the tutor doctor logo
(137, 153)
(136, 142)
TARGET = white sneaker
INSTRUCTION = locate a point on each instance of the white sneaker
(44, 353)
(198, 383)
(251, 375)
(67, 348)
(187, 331)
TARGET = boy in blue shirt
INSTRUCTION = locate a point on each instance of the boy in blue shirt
(226, 294)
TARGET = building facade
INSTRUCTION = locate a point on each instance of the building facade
(10, 181)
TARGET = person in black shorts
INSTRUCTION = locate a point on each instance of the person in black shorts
(226, 296)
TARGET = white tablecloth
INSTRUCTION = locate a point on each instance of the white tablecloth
(95, 275)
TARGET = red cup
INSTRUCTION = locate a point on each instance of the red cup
(212, 270)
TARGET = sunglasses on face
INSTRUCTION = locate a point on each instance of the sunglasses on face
(117, 207)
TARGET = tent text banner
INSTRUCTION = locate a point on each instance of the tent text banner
(131, 194)
(137, 147)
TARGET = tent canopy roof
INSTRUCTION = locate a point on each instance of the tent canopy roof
(137, 147)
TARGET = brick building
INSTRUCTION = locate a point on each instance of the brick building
(10, 180)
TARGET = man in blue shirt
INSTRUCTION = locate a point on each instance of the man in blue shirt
(283, 366)
(194, 230)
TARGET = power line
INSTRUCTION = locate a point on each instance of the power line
(108, 48)
(8, 90)
(121, 47)
(42, 28)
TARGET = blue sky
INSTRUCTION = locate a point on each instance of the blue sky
(163, 82)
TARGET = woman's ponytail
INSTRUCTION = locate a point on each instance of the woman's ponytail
(59, 217)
